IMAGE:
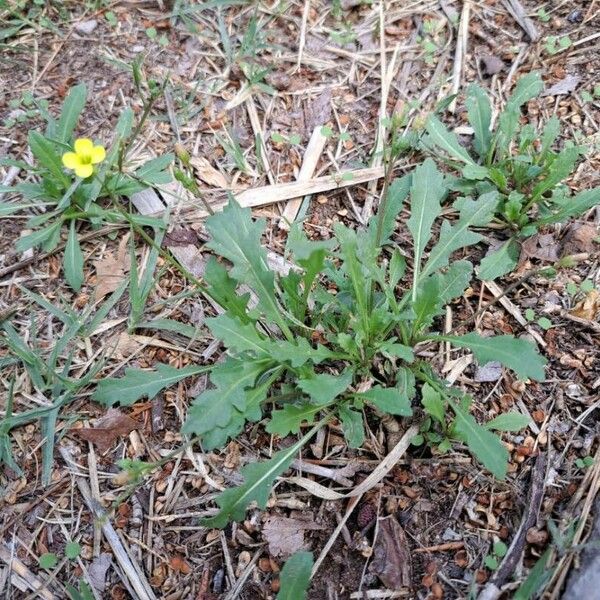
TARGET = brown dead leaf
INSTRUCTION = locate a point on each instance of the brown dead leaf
(286, 535)
(391, 555)
(179, 564)
(111, 270)
(542, 246)
(580, 238)
(565, 86)
(180, 236)
(207, 173)
(107, 429)
(491, 64)
(589, 307)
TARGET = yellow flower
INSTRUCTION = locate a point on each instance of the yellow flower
(84, 158)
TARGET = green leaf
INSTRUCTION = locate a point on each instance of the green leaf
(454, 281)
(299, 352)
(519, 355)
(476, 172)
(572, 207)
(45, 153)
(396, 195)
(446, 140)
(397, 268)
(433, 403)
(223, 289)
(154, 171)
(324, 388)
(48, 560)
(427, 304)
(453, 237)
(238, 336)
(405, 382)
(69, 115)
(510, 421)
(391, 348)
(237, 238)
(560, 169)
(258, 480)
(491, 562)
(549, 135)
(73, 260)
(352, 426)
(479, 111)
(214, 407)
(290, 418)
(360, 283)
(537, 579)
(72, 550)
(528, 87)
(500, 549)
(393, 400)
(295, 577)
(188, 331)
(427, 191)
(483, 444)
(499, 262)
(138, 383)
(37, 237)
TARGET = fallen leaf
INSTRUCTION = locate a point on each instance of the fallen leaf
(179, 564)
(542, 246)
(391, 556)
(111, 270)
(564, 86)
(207, 173)
(107, 429)
(580, 237)
(491, 371)
(491, 64)
(97, 570)
(180, 236)
(589, 307)
(286, 535)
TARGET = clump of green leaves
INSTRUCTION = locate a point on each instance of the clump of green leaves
(518, 162)
(335, 337)
(65, 199)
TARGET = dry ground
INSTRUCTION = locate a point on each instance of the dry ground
(325, 64)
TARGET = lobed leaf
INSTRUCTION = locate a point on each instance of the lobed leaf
(139, 383)
(446, 140)
(499, 262)
(324, 388)
(519, 355)
(352, 426)
(394, 400)
(510, 421)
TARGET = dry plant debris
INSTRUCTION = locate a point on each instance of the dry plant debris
(277, 103)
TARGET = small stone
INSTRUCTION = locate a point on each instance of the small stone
(86, 27)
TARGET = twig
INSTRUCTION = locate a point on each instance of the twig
(518, 13)
(19, 569)
(492, 590)
(302, 41)
(134, 575)
(460, 52)
(312, 154)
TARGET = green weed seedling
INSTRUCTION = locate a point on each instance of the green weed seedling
(492, 561)
(516, 161)
(73, 176)
(335, 338)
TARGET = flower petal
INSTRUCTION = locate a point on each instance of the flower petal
(84, 171)
(84, 146)
(98, 154)
(71, 160)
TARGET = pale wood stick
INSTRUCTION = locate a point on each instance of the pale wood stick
(313, 152)
(461, 51)
(133, 573)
